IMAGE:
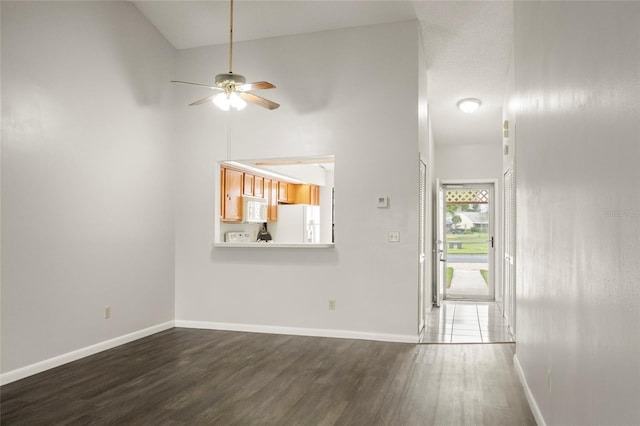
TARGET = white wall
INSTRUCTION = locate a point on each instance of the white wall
(455, 161)
(578, 90)
(426, 147)
(87, 209)
(352, 93)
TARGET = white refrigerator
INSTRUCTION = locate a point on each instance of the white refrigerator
(298, 223)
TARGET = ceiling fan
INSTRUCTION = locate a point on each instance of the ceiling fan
(232, 89)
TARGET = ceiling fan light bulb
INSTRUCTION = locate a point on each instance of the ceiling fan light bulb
(236, 101)
(221, 101)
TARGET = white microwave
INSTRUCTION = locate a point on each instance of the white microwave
(254, 209)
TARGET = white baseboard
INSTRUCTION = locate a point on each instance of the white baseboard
(537, 414)
(295, 331)
(39, 367)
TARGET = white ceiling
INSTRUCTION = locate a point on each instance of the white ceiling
(467, 45)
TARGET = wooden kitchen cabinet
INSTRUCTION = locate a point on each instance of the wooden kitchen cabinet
(271, 194)
(232, 182)
(283, 192)
(247, 184)
(221, 190)
(307, 194)
(235, 184)
(291, 193)
(273, 202)
(258, 187)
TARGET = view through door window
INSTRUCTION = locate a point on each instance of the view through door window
(468, 241)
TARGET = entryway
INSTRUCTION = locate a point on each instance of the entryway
(465, 310)
(466, 322)
(465, 242)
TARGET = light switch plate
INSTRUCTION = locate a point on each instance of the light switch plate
(393, 237)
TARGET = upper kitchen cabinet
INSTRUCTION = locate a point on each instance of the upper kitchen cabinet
(258, 187)
(282, 191)
(286, 192)
(247, 184)
(271, 194)
(232, 183)
(307, 194)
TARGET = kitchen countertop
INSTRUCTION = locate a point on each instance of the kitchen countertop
(275, 245)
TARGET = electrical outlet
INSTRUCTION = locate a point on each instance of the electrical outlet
(332, 304)
(393, 237)
(107, 312)
(549, 380)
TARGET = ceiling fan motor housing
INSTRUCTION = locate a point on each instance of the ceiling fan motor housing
(224, 80)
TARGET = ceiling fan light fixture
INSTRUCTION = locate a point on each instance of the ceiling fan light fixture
(222, 101)
(469, 105)
(226, 101)
(236, 101)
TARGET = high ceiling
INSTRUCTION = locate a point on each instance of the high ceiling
(467, 45)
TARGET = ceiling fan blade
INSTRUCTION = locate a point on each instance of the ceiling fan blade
(197, 84)
(259, 85)
(201, 101)
(250, 97)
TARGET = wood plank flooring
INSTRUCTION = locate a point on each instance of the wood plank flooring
(206, 377)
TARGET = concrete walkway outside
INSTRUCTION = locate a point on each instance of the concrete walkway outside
(467, 280)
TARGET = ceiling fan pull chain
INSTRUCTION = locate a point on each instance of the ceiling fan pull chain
(231, 38)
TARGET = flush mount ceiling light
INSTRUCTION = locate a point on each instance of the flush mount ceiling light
(233, 89)
(469, 105)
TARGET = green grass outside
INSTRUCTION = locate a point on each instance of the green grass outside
(475, 243)
(485, 275)
(449, 276)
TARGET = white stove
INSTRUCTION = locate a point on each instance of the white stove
(237, 237)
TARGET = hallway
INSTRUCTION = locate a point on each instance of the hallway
(466, 322)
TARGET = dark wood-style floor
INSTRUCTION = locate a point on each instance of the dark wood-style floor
(204, 377)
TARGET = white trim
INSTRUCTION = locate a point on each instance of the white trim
(537, 414)
(296, 331)
(47, 364)
(470, 181)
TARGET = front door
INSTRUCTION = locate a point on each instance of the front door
(468, 241)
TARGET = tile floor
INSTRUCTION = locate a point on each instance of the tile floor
(466, 322)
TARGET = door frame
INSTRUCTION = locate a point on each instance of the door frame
(508, 249)
(438, 253)
(422, 245)
(495, 273)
